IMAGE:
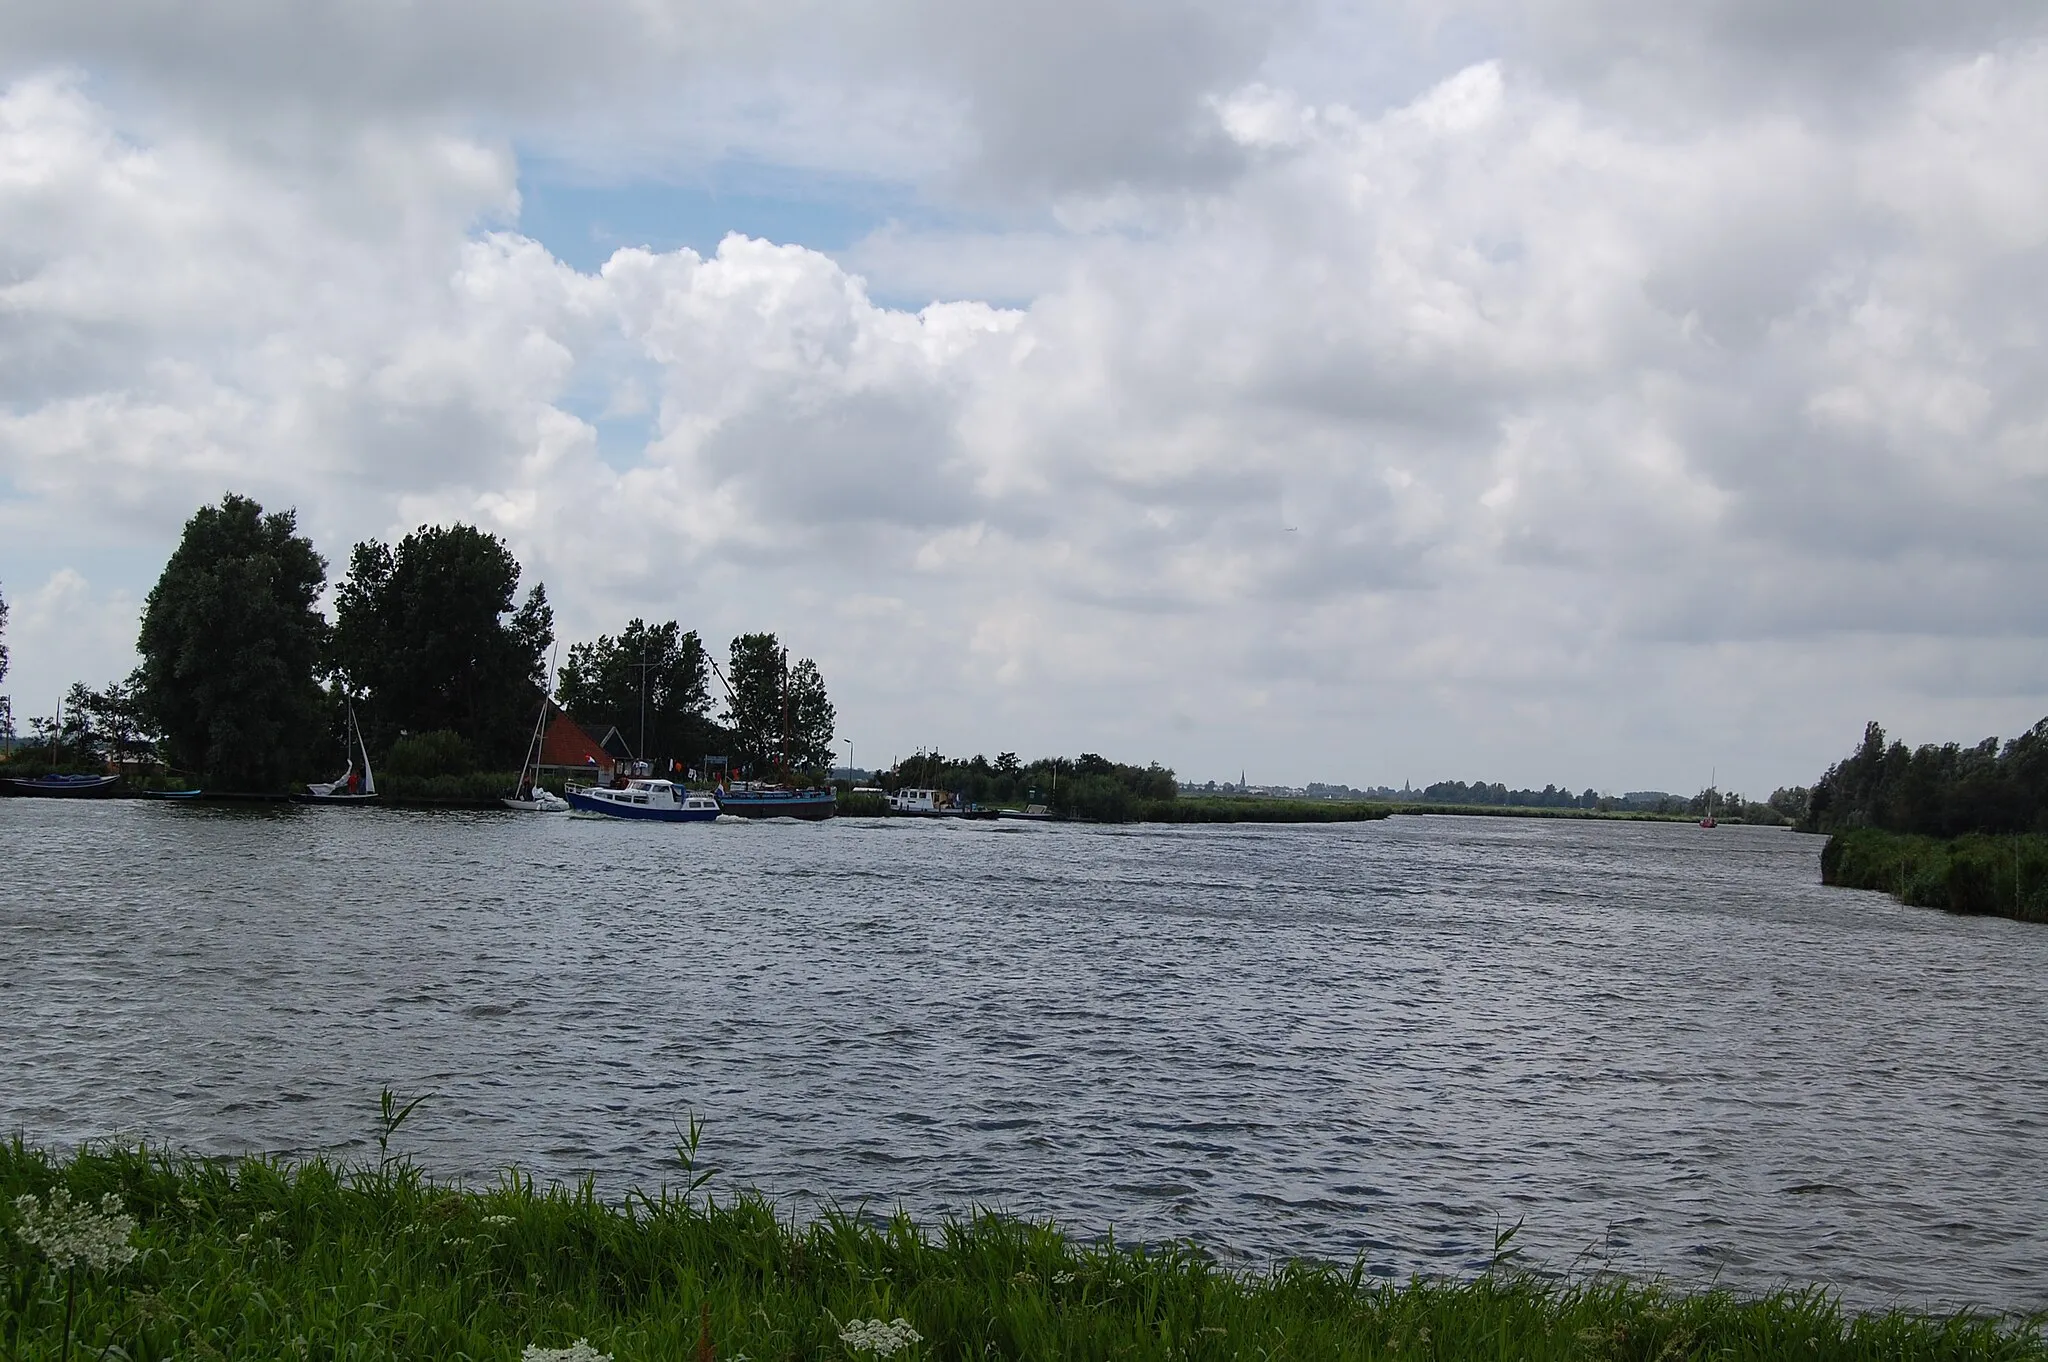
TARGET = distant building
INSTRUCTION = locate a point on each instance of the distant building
(571, 751)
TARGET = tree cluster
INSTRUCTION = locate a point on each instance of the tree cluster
(1088, 786)
(243, 680)
(430, 637)
(1940, 790)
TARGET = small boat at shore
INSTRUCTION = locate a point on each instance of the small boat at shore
(658, 801)
(351, 786)
(919, 802)
(746, 799)
(532, 796)
(63, 786)
(173, 794)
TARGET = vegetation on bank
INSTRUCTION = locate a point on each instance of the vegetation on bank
(242, 681)
(1983, 873)
(1220, 809)
(1942, 790)
(164, 1257)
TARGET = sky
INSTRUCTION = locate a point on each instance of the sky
(1614, 393)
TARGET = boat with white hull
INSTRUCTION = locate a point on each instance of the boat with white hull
(351, 786)
(659, 801)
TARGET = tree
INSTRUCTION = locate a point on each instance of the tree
(781, 716)
(428, 634)
(102, 726)
(230, 644)
(654, 680)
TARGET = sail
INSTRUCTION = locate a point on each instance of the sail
(369, 778)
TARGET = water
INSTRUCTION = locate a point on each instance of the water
(1666, 1050)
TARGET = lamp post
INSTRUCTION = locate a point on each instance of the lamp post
(849, 761)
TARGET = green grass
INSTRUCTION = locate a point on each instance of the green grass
(1221, 809)
(264, 1259)
(1981, 873)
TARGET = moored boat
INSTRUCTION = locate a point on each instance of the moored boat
(173, 794)
(532, 796)
(919, 802)
(659, 801)
(64, 787)
(749, 800)
(351, 786)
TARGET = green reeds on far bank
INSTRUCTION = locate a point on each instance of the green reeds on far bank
(1222, 809)
(312, 1260)
(1983, 873)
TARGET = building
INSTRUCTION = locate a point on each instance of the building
(573, 751)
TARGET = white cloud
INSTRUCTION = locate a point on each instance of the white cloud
(1497, 433)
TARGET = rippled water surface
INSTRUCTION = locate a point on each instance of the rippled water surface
(1668, 1050)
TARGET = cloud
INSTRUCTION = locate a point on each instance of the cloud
(1501, 432)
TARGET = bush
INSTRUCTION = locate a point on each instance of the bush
(1979, 873)
(425, 755)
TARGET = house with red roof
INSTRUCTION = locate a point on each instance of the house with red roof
(583, 753)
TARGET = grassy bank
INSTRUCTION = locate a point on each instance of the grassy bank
(2002, 876)
(1216, 809)
(310, 1261)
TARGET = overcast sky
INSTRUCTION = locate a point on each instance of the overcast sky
(1605, 392)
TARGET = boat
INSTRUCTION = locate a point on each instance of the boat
(172, 794)
(64, 787)
(1036, 813)
(918, 802)
(351, 786)
(1708, 821)
(748, 799)
(660, 801)
(536, 799)
(532, 796)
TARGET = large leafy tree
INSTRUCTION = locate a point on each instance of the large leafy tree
(429, 633)
(653, 682)
(230, 645)
(780, 715)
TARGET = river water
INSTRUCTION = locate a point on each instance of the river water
(1664, 1050)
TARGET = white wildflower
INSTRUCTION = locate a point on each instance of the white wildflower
(73, 1235)
(579, 1351)
(884, 1339)
(498, 1220)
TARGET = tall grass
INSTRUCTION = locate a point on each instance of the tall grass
(1982, 873)
(312, 1260)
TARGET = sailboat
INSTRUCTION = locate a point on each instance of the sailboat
(531, 797)
(351, 786)
(1708, 821)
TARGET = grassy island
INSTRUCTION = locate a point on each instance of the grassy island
(165, 1257)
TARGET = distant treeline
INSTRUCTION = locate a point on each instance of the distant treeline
(1784, 806)
(1088, 786)
(1937, 791)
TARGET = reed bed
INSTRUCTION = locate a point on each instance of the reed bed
(259, 1258)
(1985, 874)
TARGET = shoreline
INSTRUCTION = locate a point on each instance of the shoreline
(1188, 810)
(381, 1261)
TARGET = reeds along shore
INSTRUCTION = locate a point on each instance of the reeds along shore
(260, 1259)
(1988, 874)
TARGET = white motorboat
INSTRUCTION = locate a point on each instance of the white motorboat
(657, 800)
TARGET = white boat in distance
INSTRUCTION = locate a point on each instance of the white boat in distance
(351, 786)
(656, 800)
